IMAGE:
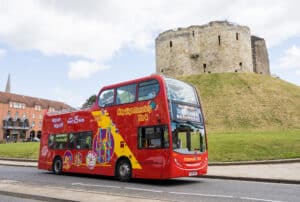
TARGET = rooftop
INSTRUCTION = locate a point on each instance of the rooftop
(32, 101)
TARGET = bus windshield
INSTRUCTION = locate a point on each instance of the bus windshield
(188, 133)
(188, 138)
(181, 92)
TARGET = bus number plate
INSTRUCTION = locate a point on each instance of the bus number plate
(194, 173)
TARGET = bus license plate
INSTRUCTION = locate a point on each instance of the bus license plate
(194, 173)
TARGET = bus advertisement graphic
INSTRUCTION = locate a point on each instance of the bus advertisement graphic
(68, 160)
(91, 159)
(78, 159)
(104, 145)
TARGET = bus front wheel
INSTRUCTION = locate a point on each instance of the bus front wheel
(57, 166)
(124, 170)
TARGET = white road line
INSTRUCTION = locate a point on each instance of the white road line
(94, 185)
(139, 189)
(258, 199)
(178, 193)
(195, 194)
(9, 181)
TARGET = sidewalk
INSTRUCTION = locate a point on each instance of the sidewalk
(48, 193)
(270, 171)
(279, 172)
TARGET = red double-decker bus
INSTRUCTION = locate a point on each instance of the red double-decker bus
(151, 127)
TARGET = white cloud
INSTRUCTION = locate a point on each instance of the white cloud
(290, 59)
(2, 52)
(96, 30)
(84, 69)
(67, 96)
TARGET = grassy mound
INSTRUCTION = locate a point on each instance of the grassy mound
(247, 102)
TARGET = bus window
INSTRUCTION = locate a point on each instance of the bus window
(148, 90)
(51, 142)
(106, 98)
(61, 141)
(71, 141)
(126, 94)
(179, 91)
(153, 137)
(83, 140)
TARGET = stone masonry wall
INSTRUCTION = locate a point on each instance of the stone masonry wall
(217, 47)
(260, 56)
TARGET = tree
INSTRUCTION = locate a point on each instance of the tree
(89, 102)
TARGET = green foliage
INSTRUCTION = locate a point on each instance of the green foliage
(26, 150)
(254, 146)
(247, 102)
(89, 102)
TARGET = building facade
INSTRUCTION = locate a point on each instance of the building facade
(21, 116)
(216, 47)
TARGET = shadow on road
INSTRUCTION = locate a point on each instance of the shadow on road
(163, 183)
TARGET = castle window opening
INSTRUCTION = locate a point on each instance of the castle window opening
(193, 33)
(241, 64)
(237, 36)
(171, 44)
(204, 67)
(162, 70)
(219, 39)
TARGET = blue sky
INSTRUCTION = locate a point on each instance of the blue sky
(66, 50)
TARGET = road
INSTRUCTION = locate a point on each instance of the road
(182, 189)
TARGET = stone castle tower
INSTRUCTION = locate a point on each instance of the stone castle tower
(216, 47)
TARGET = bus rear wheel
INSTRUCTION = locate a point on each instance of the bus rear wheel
(124, 170)
(57, 166)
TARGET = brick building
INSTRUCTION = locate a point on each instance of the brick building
(21, 116)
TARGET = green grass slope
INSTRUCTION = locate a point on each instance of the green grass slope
(247, 102)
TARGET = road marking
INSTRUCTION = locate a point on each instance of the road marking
(178, 193)
(258, 199)
(94, 185)
(195, 194)
(9, 181)
(139, 189)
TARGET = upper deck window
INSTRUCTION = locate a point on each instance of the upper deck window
(106, 98)
(148, 90)
(181, 92)
(126, 94)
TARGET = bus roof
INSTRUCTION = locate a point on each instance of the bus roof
(152, 76)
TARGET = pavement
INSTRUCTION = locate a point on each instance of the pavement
(285, 172)
(282, 171)
(58, 194)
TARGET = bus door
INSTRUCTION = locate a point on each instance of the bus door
(80, 143)
(153, 152)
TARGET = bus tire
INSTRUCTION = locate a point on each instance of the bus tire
(124, 170)
(57, 166)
